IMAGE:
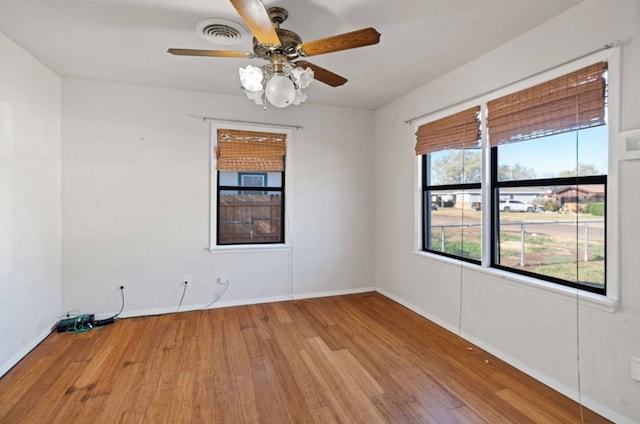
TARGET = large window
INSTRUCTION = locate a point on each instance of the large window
(451, 185)
(250, 187)
(560, 237)
(542, 167)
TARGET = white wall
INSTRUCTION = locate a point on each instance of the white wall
(135, 201)
(532, 329)
(29, 202)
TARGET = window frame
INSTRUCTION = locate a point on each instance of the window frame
(496, 185)
(428, 188)
(215, 188)
(247, 190)
(611, 297)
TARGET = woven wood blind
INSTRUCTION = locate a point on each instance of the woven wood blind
(250, 151)
(458, 131)
(568, 103)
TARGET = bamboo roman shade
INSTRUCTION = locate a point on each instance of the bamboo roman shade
(250, 151)
(568, 103)
(458, 131)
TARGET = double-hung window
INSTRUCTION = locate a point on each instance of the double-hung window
(250, 202)
(542, 166)
(549, 151)
(451, 163)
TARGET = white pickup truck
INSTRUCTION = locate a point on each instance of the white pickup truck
(515, 206)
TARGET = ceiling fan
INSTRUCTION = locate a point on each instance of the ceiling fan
(286, 73)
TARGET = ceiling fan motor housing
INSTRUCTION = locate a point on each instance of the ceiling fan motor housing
(289, 42)
(277, 15)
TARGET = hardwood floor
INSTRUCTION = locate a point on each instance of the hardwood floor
(348, 359)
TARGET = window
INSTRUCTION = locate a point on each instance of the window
(544, 176)
(563, 240)
(250, 178)
(451, 185)
(549, 152)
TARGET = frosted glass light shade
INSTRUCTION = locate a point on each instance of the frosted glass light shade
(303, 77)
(256, 96)
(299, 97)
(251, 78)
(280, 91)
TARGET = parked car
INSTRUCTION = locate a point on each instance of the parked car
(476, 206)
(515, 206)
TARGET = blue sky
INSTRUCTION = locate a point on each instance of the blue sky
(550, 155)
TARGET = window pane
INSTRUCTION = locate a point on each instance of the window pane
(452, 220)
(250, 179)
(555, 156)
(563, 237)
(249, 218)
(454, 166)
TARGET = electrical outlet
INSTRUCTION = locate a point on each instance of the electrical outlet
(186, 278)
(635, 368)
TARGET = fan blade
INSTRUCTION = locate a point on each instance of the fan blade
(213, 53)
(257, 19)
(349, 40)
(322, 75)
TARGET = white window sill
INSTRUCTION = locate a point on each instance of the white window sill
(585, 298)
(249, 248)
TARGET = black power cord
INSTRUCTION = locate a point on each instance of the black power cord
(122, 306)
(111, 320)
(184, 291)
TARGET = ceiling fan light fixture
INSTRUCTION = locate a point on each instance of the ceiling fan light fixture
(280, 90)
(283, 85)
(251, 78)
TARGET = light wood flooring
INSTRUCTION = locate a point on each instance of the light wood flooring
(347, 359)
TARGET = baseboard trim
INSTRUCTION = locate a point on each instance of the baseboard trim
(418, 310)
(333, 293)
(244, 302)
(587, 402)
(18, 356)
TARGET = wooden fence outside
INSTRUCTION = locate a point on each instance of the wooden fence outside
(249, 218)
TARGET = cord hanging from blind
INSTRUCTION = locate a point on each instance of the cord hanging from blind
(571, 102)
(250, 151)
(458, 131)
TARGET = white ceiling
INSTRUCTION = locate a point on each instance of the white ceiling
(126, 40)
